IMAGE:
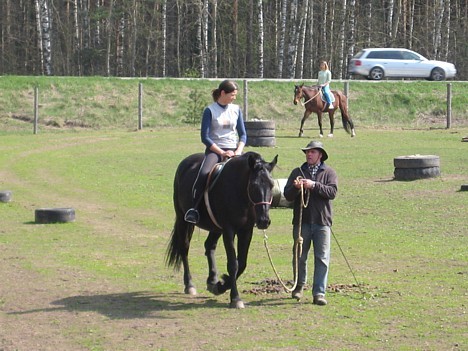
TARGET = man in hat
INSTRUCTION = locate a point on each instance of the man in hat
(312, 186)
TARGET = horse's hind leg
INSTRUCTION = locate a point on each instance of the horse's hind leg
(211, 243)
(188, 283)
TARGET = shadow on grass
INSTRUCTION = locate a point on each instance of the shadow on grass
(129, 305)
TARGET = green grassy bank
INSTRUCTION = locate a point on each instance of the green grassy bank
(103, 103)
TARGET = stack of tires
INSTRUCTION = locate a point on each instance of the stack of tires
(416, 167)
(260, 133)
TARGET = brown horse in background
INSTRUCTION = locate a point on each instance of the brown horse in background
(314, 103)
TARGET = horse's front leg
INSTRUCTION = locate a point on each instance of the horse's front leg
(319, 120)
(212, 281)
(243, 244)
(306, 115)
(232, 268)
(332, 122)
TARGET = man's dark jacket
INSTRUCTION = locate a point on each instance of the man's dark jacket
(319, 209)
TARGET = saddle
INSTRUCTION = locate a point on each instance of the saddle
(332, 96)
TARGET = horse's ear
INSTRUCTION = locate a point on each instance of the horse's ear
(252, 161)
(273, 163)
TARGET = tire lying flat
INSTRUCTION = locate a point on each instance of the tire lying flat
(54, 215)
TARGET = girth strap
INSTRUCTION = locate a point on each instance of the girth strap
(213, 176)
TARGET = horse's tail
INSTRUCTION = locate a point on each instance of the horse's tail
(179, 243)
(345, 118)
(178, 247)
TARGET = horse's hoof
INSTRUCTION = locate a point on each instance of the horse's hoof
(353, 133)
(300, 134)
(190, 291)
(238, 304)
(213, 288)
(321, 135)
(330, 135)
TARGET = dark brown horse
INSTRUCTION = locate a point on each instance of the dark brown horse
(237, 200)
(312, 96)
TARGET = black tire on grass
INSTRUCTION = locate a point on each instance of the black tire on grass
(416, 161)
(5, 196)
(54, 215)
(261, 141)
(416, 173)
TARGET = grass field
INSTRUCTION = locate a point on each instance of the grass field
(100, 283)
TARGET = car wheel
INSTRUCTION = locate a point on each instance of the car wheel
(438, 74)
(376, 73)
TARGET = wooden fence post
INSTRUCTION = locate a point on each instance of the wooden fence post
(449, 105)
(140, 106)
(36, 108)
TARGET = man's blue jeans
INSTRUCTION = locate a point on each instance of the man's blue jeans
(317, 236)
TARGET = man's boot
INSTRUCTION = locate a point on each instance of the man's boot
(297, 292)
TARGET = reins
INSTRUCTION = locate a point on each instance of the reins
(297, 243)
(304, 103)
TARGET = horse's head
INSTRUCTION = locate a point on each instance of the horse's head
(298, 94)
(260, 188)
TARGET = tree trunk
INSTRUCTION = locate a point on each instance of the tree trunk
(44, 36)
(301, 48)
(260, 39)
(340, 72)
(352, 30)
(214, 36)
(283, 19)
(164, 38)
(109, 37)
(235, 32)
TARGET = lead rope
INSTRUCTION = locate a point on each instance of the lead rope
(297, 243)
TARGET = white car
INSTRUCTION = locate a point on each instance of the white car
(376, 64)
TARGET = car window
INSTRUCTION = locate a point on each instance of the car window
(393, 55)
(387, 55)
(410, 56)
(359, 54)
(375, 55)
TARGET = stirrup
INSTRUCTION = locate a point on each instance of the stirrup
(192, 216)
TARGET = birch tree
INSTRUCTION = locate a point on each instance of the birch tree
(214, 36)
(44, 36)
(352, 31)
(341, 44)
(301, 46)
(260, 39)
(283, 19)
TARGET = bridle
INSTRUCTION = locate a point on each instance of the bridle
(260, 202)
(210, 211)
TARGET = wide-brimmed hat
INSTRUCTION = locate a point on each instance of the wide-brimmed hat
(316, 145)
